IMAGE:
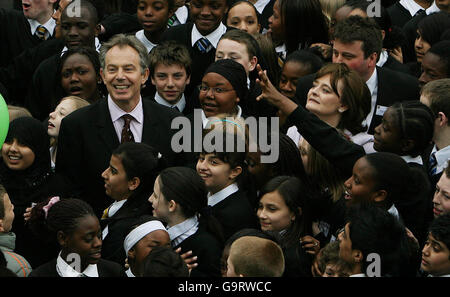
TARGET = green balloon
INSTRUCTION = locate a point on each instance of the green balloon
(4, 120)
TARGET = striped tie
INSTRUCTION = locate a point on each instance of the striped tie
(432, 166)
(204, 45)
(41, 32)
(171, 21)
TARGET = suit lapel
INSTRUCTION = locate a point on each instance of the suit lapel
(150, 132)
(106, 130)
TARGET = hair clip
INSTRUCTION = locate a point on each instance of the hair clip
(50, 204)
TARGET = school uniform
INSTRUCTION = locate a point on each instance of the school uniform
(265, 9)
(188, 35)
(231, 207)
(185, 105)
(59, 268)
(386, 87)
(297, 263)
(181, 16)
(46, 90)
(402, 11)
(190, 235)
(116, 221)
(17, 34)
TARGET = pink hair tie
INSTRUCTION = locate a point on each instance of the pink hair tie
(50, 204)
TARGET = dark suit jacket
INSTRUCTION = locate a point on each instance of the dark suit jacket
(399, 15)
(105, 269)
(120, 223)
(393, 86)
(87, 139)
(208, 250)
(200, 61)
(234, 213)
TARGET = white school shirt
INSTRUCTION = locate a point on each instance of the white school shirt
(372, 84)
(112, 209)
(432, 9)
(182, 14)
(222, 194)
(181, 104)
(49, 25)
(205, 119)
(97, 45)
(65, 270)
(183, 230)
(442, 157)
(411, 6)
(213, 37)
(410, 159)
(147, 43)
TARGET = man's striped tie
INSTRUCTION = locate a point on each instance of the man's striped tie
(41, 32)
(204, 45)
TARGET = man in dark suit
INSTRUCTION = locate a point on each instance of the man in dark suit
(22, 30)
(200, 37)
(358, 43)
(88, 136)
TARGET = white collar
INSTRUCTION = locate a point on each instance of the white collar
(433, 8)
(222, 194)
(410, 159)
(98, 45)
(281, 49)
(358, 275)
(212, 37)
(181, 104)
(182, 14)
(129, 273)
(393, 211)
(65, 270)
(372, 82)
(115, 207)
(260, 5)
(442, 156)
(148, 44)
(187, 227)
(383, 58)
(49, 25)
(411, 6)
(205, 119)
(116, 112)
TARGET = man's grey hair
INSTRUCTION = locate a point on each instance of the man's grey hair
(123, 40)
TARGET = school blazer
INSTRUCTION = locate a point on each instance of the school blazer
(393, 86)
(87, 139)
(399, 15)
(234, 213)
(208, 250)
(105, 269)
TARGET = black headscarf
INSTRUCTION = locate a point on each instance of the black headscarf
(31, 133)
(234, 73)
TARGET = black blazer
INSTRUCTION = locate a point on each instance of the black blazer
(399, 14)
(200, 61)
(208, 250)
(120, 223)
(105, 269)
(87, 139)
(234, 213)
(393, 86)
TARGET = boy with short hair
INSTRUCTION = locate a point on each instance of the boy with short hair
(252, 256)
(170, 72)
(15, 262)
(436, 252)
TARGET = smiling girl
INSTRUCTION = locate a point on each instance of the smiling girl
(73, 223)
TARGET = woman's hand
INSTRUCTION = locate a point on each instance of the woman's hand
(324, 49)
(272, 95)
(188, 258)
(310, 244)
(397, 54)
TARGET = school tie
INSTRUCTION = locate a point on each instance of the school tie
(176, 108)
(41, 32)
(204, 45)
(127, 135)
(280, 59)
(432, 165)
(171, 21)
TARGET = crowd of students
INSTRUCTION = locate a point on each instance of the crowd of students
(95, 180)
